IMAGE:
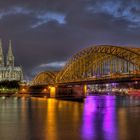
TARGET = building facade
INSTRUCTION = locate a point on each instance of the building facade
(9, 72)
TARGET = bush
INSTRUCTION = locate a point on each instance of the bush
(9, 84)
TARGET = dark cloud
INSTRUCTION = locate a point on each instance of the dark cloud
(46, 32)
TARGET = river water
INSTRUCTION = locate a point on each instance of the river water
(98, 118)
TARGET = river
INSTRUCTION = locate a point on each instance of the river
(97, 118)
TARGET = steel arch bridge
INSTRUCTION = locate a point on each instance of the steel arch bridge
(45, 78)
(100, 61)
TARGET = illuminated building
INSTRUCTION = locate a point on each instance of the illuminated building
(9, 72)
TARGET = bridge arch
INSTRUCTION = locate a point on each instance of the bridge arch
(100, 60)
(44, 78)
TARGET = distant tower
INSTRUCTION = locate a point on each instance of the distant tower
(10, 56)
(1, 55)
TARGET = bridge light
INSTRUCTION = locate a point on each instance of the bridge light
(45, 90)
(23, 90)
(107, 85)
(85, 89)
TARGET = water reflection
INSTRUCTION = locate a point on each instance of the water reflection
(90, 109)
(51, 124)
(98, 118)
(109, 121)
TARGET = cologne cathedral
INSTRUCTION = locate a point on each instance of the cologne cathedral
(9, 72)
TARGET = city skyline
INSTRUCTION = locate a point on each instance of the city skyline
(45, 34)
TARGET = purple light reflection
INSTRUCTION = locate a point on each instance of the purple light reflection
(113, 84)
(99, 118)
(109, 123)
(88, 118)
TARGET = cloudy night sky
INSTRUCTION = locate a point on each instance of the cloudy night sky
(46, 33)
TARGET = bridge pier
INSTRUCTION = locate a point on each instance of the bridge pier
(52, 91)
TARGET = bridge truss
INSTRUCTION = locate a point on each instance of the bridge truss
(45, 78)
(100, 61)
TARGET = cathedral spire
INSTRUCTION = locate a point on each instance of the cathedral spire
(10, 56)
(10, 53)
(1, 54)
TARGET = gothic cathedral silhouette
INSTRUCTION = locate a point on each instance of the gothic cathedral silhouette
(9, 72)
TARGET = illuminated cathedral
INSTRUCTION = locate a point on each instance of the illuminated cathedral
(9, 72)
